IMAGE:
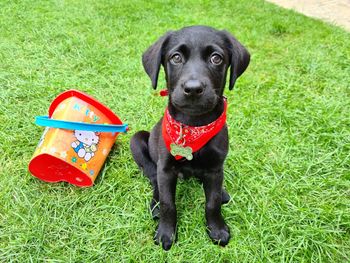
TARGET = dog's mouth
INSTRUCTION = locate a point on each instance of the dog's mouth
(195, 107)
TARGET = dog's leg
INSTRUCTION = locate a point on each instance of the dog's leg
(217, 228)
(166, 229)
(140, 153)
(225, 197)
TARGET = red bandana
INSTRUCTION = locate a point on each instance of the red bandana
(182, 140)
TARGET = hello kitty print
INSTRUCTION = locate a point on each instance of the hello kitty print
(86, 144)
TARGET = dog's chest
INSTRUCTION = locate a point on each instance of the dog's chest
(189, 169)
(208, 159)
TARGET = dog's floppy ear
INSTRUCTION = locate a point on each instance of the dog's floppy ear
(240, 58)
(152, 58)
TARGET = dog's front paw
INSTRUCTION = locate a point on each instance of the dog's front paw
(165, 235)
(219, 235)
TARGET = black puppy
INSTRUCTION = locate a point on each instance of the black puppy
(195, 60)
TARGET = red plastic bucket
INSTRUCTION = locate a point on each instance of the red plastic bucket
(74, 155)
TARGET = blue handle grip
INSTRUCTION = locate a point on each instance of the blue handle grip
(71, 125)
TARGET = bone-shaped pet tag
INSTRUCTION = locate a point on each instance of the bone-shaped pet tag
(186, 152)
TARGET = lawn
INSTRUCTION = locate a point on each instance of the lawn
(288, 166)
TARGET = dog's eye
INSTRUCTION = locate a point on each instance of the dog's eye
(216, 59)
(176, 59)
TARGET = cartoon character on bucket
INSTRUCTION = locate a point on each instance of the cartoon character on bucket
(86, 144)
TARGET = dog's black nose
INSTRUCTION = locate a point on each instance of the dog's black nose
(193, 88)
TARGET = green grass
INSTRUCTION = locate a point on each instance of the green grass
(288, 166)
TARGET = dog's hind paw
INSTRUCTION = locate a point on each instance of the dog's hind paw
(225, 197)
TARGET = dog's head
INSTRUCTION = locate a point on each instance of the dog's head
(195, 61)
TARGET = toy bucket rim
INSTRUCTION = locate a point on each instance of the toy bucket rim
(33, 168)
(88, 99)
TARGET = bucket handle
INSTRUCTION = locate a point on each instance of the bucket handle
(83, 126)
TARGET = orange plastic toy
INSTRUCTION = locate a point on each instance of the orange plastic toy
(76, 144)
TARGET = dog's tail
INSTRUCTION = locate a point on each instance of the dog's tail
(140, 153)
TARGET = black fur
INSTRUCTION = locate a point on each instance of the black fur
(195, 82)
